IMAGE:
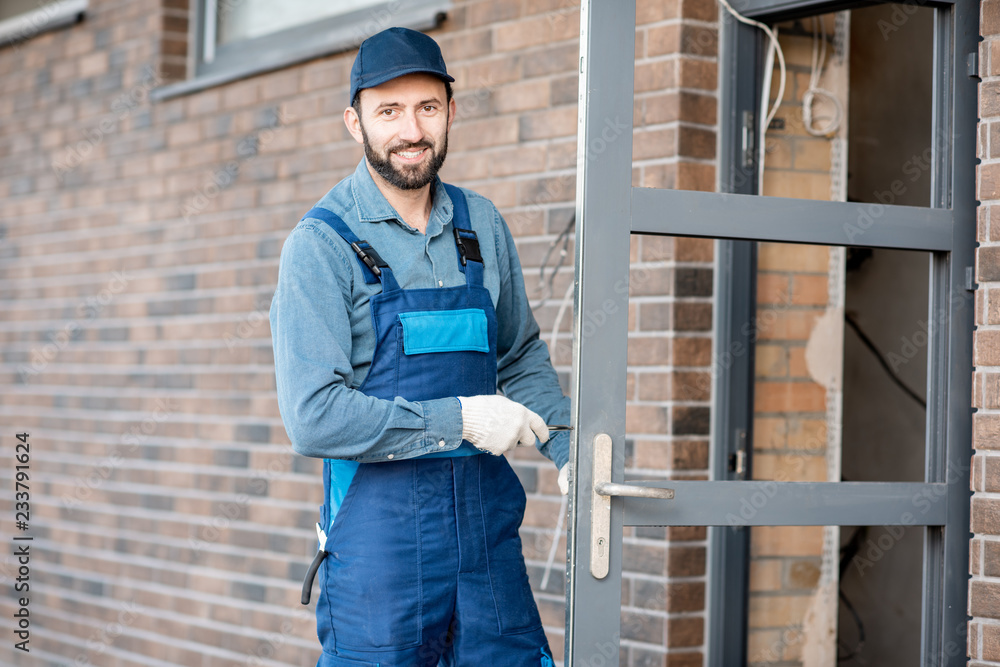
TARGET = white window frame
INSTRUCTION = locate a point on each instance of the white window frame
(16, 30)
(214, 64)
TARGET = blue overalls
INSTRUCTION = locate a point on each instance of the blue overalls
(423, 562)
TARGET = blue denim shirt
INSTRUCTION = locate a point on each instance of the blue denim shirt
(323, 338)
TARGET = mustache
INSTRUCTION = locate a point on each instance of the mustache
(410, 146)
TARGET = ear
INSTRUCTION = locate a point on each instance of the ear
(452, 110)
(353, 123)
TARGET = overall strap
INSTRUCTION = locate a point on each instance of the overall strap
(466, 243)
(373, 267)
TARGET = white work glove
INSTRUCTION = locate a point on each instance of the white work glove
(563, 480)
(496, 424)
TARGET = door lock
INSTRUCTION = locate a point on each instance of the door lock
(600, 509)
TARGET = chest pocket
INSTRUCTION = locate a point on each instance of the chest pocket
(426, 332)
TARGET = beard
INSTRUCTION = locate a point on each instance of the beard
(406, 177)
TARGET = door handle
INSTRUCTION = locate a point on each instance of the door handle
(613, 489)
(600, 509)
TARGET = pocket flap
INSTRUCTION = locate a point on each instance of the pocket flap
(444, 331)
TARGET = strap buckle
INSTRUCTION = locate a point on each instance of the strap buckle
(369, 257)
(468, 247)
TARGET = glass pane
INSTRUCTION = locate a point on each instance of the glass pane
(841, 357)
(854, 122)
(805, 145)
(11, 8)
(840, 364)
(668, 417)
(823, 595)
(798, 363)
(890, 105)
(254, 18)
(880, 585)
(793, 595)
(885, 365)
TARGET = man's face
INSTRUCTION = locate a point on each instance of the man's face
(404, 128)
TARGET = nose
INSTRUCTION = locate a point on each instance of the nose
(410, 129)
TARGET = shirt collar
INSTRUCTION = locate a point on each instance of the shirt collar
(372, 205)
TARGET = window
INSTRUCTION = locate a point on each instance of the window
(238, 38)
(20, 20)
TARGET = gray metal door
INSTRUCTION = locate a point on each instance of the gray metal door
(609, 209)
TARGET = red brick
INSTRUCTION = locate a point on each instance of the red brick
(988, 263)
(986, 430)
(987, 348)
(696, 176)
(984, 599)
(989, 181)
(991, 18)
(991, 642)
(789, 397)
(701, 74)
(698, 40)
(493, 11)
(651, 11)
(986, 516)
(698, 143)
(991, 558)
(663, 40)
(702, 10)
(691, 351)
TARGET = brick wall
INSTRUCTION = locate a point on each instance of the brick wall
(984, 587)
(139, 251)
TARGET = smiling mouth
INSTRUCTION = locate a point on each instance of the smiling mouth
(410, 154)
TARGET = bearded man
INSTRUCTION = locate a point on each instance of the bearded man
(400, 311)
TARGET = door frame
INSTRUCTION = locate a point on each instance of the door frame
(605, 198)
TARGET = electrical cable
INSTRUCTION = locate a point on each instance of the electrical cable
(882, 362)
(860, 625)
(763, 113)
(773, 49)
(546, 286)
(781, 60)
(814, 90)
(848, 552)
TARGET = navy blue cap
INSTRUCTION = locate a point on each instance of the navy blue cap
(393, 53)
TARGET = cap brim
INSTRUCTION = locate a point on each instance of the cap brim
(395, 74)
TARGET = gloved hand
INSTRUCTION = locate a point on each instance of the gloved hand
(496, 424)
(563, 480)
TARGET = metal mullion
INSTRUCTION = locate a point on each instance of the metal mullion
(209, 29)
(603, 209)
(790, 220)
(935, 443)
(949, 437)
(728, 569)
(962, 27)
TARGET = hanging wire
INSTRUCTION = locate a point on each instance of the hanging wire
(780, 54)
(814, 90)
(898, 381)
(546, 285)
(847, 554)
